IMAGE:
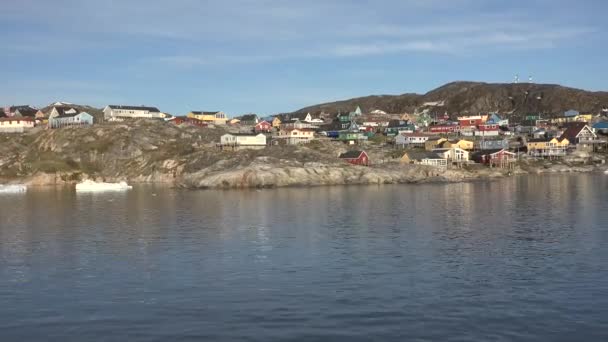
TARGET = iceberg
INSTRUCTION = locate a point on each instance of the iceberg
(12, 188)
(90, 186)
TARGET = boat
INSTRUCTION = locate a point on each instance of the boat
(91, 186)
(12, 188)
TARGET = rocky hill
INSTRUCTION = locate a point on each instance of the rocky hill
(455, 98)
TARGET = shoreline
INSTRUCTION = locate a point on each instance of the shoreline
(258, 177)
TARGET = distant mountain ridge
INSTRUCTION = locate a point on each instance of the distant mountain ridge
(462, 98)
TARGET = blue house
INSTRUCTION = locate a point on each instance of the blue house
(61, 118)
(601, 127)
(495, 119)
(494, 144)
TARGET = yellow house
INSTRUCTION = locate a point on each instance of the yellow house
(433, 143)
(460, 143)
(547, 148)
(276, 122)
(584, 117)
(217, 118)
(234, 121)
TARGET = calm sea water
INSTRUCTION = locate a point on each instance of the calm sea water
(522, 259)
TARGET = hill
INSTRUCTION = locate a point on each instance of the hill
(516, 99)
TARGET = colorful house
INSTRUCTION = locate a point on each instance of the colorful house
(433, 143)
(580, 134)
(294, 136)
(69, 118)
(216, 118)
(460, 143)
(352, 137)
(488, 130)
(496, 157)
(601, 127)
(412, 139)
(547, 147)
(121, 112)
(24, 111)
(396, 127)
(454, 154)
(493, 144)
(471, 121)
(276, 122)
(180, 120)
(496, 119)
(444, 129)
(16, 124)
(356, 158)
(236, 141)
(423, 158)
(263, 126)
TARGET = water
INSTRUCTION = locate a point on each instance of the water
(521, 259)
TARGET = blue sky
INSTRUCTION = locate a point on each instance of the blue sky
(271, 56)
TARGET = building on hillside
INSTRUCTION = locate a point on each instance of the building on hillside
(601, 127)
(294, 136)
(581, 135)
(495, 119)
(181, 120)
(352, 137)
(461, 143)
(120, 112)
(496, 157)
(65, 118)
(492, 144)
(24, 111)
(356, 158)
(396, 127)
(237, 141)
(412, 139)
(16, 124)
(433, 143)
(424, 158)
(216, 118)
(263, 127)
(296, 124)
(444, 129)
(233, 121)
(487, 130)
(276, 122)
(453, 155)
(547, 148)
(471, 121)
(249, 119)
(571, 113)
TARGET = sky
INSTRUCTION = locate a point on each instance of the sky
(273, 56)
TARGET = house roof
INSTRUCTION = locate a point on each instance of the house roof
(397, 123)
(12, 109)
(27, 111)
(419, 155)
(203, 112)
(351, 154)
(149, 109)
(415, 135)
(573, 129)
(244, 134)
(601, 125)
(435, 138)
(2, 113)
(69, 115)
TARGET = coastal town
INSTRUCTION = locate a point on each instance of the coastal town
(440, 141)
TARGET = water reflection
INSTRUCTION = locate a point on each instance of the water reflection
(443, 261)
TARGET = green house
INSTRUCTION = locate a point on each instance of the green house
(351, 136)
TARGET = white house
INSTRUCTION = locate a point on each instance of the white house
(237, 141)
(15, 124)
(411, 139)
(295, 136)
(119, 112)
(296, 124)
(454, 154)
(71, 117)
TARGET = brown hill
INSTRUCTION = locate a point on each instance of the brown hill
(474, 97)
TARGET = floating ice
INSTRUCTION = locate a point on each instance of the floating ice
(90, 186)
(12, 188)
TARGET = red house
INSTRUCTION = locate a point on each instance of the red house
(471, 121)
(444, 129)
(494, 157)
(263, 126)
(190, 121)
(356, 158)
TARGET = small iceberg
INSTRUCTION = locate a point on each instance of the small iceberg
(90, 186)
(12, 188)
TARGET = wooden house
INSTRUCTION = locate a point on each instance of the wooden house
(294, 136)
(356, 158)
(497, 157)
(121, 112)
(433, 143)
(60, 117)
(547, 147)
(423, 158)
(460, 143)
(276, 122)
(216, 118)
(579, 133)
(411, 139)
(236, 141)
(454, 154)
(16, 124)
(263, 126)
